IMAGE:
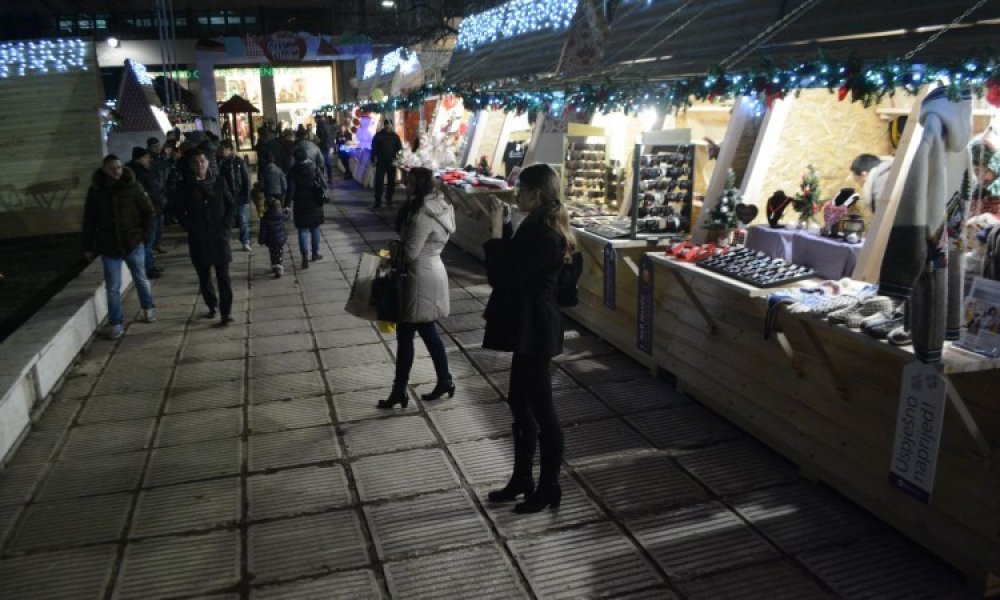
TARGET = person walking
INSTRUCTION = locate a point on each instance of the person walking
(344, 138)
(140, 165)
(426, 222)
(306, 194)
(234, 170)
(522, 316)
(117, 220)
(159, 178)
(205, 208)
(272, 233)
(271, 180)
(385, 146)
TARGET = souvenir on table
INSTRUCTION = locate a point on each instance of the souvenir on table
(776, 206)
(756, 268)
(836, 210)
(806, 201)
(665, 188)
(722, 218)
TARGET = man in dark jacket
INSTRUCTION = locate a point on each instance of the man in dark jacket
(234, 172)
(117, 219)
(385, 146)
(205, 208)
(140, 166)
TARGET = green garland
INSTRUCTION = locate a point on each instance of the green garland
(865, 83)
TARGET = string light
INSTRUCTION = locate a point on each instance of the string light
(401, 58)
(39, 57)
(371, 67)
(513, 19)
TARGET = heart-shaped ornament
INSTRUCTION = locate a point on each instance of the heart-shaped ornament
(746, 213)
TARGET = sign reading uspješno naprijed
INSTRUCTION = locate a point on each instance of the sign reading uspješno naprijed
(918, 430)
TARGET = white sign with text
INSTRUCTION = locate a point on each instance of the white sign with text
(918, 430)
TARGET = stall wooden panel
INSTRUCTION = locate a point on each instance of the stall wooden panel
(472, 219)
(826, 397)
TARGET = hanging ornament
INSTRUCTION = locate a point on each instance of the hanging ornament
(993, 92)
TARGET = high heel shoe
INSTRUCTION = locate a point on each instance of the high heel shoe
(442, 388)
(540, 500)
(396, 397)
(514, 488)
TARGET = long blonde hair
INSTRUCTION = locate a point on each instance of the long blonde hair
(542, 178)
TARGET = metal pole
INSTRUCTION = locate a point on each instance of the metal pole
(162, 34)
(173, 45)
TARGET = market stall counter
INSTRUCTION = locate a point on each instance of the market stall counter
(854, 412)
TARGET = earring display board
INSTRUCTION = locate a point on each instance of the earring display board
(586, 176)
(663, 191)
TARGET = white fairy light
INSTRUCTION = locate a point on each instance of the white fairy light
(39, 57)
(513, 19)
(396, 60)
(371, 68)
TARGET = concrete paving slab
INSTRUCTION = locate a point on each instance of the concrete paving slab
(107, 438)
(128, 379)
(202, 397)
(121, 407)
(458, 366)
(298, 491)
(38, 448)
(467, 306)
(190, 427)
(559, 380)
(361, 377)
(485, 461)
(476, 389)
(290, 385)
(187, 507)
(278, 364)
(686, 426)
(472, 421)
(334, 358)
(616, 367)
(193, 462)
(76, 386)
(91, 476)
(224, 350)
(294, 447)
(576, 508)
(591, 561)
(75, 522)
(697, 540)
(18, 482)
(641, 484)
(274, 302)
(179, 566)
(334, 323)
(584, 346)
(345, 338)
(771, 581)
(289, 414)
(487, 572)
(362, 404)
(287, 311)
(8, 517)
(490, 361)
(885, 566)
(738, 467)
(425, 524)
(463, 322)
(207, 372)
(312, 545)
(59, 414)
(361, 585)
(403, 474)
(276, 344)
(282, 327)
(644, 393)
(82, 573)
(380, 436)
(798, 517)
(576, 405)
(601, 440)
(469, 339)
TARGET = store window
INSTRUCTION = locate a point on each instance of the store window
(299, 91)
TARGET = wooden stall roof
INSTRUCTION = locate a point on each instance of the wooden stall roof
(675, 38)
(237, 104)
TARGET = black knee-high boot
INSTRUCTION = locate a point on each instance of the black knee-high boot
(548, 492)
(521, 481)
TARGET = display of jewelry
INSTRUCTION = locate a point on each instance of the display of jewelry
(664, 188)
(587, 179)
(756, 268)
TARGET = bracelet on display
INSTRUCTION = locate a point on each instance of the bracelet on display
(756, 268)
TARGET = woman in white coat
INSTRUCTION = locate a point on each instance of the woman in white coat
(426, 222)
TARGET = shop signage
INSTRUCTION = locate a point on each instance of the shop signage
(283, 46)
(610, 276)
(918, 430)
(644, 319)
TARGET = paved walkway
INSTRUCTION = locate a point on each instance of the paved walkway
(251, 462)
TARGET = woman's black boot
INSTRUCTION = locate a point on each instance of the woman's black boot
(521, 481)
(544, 497)
(548, 493)
(442, 388)
(399, 397)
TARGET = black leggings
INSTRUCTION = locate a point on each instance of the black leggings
(530, 396)
(224, 301)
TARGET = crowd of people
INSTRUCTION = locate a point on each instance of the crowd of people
(205, 187)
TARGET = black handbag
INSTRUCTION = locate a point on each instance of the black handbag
(389, 284)
(569, 280)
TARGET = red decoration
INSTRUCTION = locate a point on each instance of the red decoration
(449, 102)
(355, 122)
(357, 112)
(354, 129)
(842, 92)
(993, 92)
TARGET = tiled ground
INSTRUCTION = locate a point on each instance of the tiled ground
(250, 462)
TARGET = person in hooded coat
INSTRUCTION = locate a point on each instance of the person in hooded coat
(306, 194)
(426, 222)
(205, 208)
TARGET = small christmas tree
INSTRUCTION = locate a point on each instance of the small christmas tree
(723, 215)
(806, 201)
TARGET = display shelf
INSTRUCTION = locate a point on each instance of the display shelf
(663, 188)
(587, 178)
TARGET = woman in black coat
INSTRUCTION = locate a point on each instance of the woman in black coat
(522, 316)
(306, 193)
(205, 208)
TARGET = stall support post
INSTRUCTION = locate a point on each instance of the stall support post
(634, 202)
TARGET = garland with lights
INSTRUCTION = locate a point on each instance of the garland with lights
(851, 79)
(39, 57)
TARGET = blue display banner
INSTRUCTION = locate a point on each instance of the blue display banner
(644, 314)
(610, 277)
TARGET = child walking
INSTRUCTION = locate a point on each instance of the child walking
(272, 233)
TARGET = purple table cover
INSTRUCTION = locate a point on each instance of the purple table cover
(830, 258)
